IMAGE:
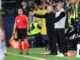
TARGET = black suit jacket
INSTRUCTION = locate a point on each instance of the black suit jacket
(50, 19)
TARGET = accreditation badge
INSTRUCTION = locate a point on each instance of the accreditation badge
(18, 21)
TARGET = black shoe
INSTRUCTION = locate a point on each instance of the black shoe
(20, 53)
(52, 54)
(27, 53)
(65, 55)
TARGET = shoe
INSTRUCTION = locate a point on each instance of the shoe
(60, 55)
(27, 53)
(52, 54)
(20, 53)
(65, 55)
(78, 56)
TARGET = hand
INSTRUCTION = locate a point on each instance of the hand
(31, 13)
(13, 34)
(65, 31)
(71, 26)
(27, 32)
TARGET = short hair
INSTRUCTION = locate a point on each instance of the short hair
(50, 7)
(61, 4)
(20, 8)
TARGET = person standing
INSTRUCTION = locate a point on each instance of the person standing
(50, 19)
(21, 23)
(60, 28)
(3, 51)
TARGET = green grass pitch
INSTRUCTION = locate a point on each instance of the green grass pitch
(35, 55)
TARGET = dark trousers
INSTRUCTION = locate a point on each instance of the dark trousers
(60, 38)
(38, 40)
(51, 40)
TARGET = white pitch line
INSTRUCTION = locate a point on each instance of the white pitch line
(65, 57)
(27, 56)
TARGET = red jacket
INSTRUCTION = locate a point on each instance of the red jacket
(21, 21)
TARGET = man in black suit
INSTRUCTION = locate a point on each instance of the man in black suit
(50, 19)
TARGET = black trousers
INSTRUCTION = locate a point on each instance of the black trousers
(51, 40)
(60, 38)
(38, 40)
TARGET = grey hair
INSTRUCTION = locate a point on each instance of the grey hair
(50, 7)
(61, 4)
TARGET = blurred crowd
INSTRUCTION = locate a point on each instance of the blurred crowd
(72, 8)
(38, 25)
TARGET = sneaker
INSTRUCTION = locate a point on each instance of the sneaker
(78, 56)
(27, 53)
(20, 53)
(61, 55)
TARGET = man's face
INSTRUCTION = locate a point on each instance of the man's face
(40, 6)
(20, 11)
(58, 7)
(49, 9)
(68, 14)
(36, 7)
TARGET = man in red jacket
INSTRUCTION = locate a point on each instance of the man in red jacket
(21, 23)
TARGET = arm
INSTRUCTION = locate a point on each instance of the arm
(3, 44)
(72, 21)
(33, 26)
(27, 26)
(38, 26)
(1, 22)
(40, 16)
(36, 15)
(14, 28)
(3, 35)
(60, 16)
(27, 23)
(66, 23)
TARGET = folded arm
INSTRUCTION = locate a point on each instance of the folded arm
(60, 17)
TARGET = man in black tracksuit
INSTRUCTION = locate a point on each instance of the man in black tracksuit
(50, 19)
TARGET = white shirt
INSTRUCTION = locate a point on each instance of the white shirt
(1, 52)
(61, 23)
